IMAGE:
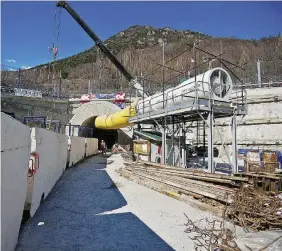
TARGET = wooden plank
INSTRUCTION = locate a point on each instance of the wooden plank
(199, 173)
(196, 177)
(189, 188)
(216, 177)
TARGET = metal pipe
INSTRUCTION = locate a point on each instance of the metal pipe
(172, 139)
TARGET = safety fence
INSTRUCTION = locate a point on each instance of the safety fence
(57, 126)
(258, 73)
(32, 162)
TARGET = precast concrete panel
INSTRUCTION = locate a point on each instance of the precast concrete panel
(52, 150)
(92, 146)
(77, 149)
(15, 152)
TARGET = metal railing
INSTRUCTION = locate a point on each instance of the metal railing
(258, 85)
(52, 86)
(84, 131)
(148, 105)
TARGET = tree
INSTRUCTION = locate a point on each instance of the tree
(64, 74)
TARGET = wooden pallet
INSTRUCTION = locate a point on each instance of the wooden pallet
(263, 181)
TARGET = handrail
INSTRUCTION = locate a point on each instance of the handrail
(240, 99)
(257, 85)
(152, 101)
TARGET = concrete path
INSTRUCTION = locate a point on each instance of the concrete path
(93, 208)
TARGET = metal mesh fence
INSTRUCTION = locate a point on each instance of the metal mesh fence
(269, 73)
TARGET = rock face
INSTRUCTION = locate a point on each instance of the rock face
(139, 51)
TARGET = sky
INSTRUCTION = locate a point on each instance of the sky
(27, 27)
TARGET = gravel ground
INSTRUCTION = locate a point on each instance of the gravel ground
(93, 208)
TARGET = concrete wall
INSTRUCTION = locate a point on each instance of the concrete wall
(77, 149)
(28, 106)
(92, 109)
(264, 107)
(52, 150)
(15, 151)
(260, 129)
(92, 146)
(17, 143)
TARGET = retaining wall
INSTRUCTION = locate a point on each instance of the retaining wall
(15, 151)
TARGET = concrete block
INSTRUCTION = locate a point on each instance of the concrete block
(92, 146)
(15, 151)
(52, 150)
(77, 149)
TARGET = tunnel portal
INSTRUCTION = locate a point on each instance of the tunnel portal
(85, 115)
(109, 136)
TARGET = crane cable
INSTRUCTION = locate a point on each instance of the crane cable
(57, 22)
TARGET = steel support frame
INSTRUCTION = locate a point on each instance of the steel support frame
(179, 128)
(210, 123)
(212, 113)
(183, 148)
(234, 144)
(172, 142)
(177, 131)
(164, 155)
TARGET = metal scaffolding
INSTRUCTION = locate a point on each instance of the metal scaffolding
(175, 121)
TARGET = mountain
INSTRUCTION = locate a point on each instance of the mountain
(139, 50)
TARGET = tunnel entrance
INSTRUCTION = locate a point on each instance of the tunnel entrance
(109, 136)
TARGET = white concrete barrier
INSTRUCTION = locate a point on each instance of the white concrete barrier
(77, 151)
(91, 146)
(15, 151)
(52, 150)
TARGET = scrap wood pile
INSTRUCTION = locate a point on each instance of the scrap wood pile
(240, 202)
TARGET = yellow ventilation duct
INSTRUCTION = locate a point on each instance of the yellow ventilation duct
(116, 120)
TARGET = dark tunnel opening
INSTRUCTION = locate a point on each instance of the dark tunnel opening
(109, 136)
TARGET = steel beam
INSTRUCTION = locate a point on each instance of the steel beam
(234, 144)
(172, 137)
(210, 143)
(183, 146)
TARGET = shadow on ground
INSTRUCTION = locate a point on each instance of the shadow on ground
(70, 220)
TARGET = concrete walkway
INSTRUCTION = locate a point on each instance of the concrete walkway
(93, 208)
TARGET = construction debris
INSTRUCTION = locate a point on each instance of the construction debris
(211, 235)
(254, 210)
(220, 235)
(236, 197)
(180, 182)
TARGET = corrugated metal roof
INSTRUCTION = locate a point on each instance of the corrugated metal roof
(149, 136)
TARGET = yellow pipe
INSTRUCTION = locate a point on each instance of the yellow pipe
(116, 120)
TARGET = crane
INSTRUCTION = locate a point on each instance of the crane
(98, 42)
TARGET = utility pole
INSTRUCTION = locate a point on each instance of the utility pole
(19, 80)
(259, 73)
(60, 85)
(161, 42)
(89, 87)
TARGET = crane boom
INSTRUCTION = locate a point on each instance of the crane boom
(101, 45)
